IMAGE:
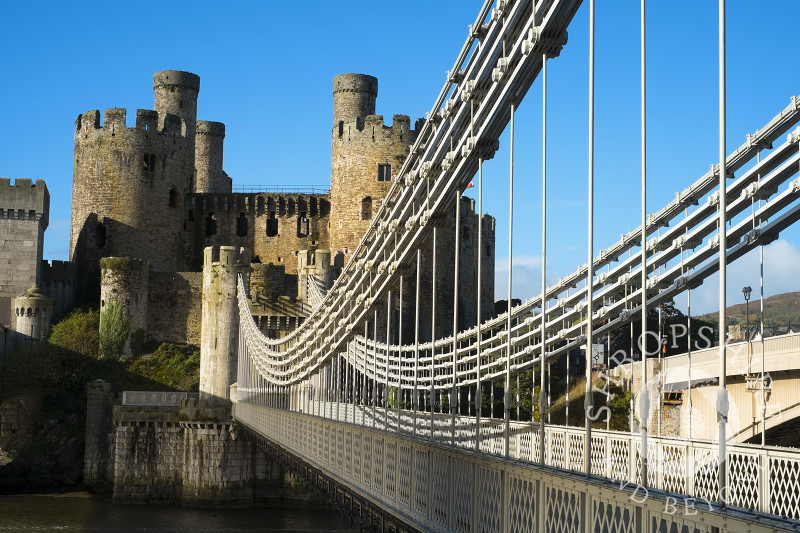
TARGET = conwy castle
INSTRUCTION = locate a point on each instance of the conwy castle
(149, 202)
(159, 236)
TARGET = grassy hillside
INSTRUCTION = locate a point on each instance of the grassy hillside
(43, 385)
(779, 310)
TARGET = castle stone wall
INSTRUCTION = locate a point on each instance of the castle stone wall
(174, 307)
(127, 190)
(276, 227)
(98, 465)
(58, 282)
(24, 215)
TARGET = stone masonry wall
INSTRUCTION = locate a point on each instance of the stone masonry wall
(148, 458)
(24, 214)
(98, 465)
(276, 227)
(186, 455)
(174, 307)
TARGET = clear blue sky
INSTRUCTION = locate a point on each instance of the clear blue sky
(266, 71)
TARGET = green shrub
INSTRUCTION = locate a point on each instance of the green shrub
(78, 333)
(114, 331)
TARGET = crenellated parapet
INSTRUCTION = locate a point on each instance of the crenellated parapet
(25, 199)
(275, 226)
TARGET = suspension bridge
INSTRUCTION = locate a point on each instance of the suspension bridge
(402, 426)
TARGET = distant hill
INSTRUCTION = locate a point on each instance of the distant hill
(779, 310)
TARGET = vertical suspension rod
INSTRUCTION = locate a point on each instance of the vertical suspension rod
(644, 394)
(453, 393)
(543, 352)
(507, 388)
(722, 393)
(587, 445)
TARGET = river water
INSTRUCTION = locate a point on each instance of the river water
(74, 513)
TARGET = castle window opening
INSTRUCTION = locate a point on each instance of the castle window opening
(191, 215)
(100, 236)
(291, 207)
(32, 214)
(488, 249)
(173, 198)
(366, 208)
(149, 162)
(384, 172)
(313, 206)
(465, 233)
(302, 225)
(272, 225)
(241, 225)
(211, 225)
(20, 214)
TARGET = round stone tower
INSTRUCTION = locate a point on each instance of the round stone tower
(219, 335)
(124, 285)
(354, 97)
(129, 182)
(176, 94)
(209, 176)
(34, 315)
(365, 158)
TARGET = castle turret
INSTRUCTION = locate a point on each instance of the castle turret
(34, 315)
(176, 94)
(209, 176)
(124, 292)
(354, 97)
(365, 158)
(219, 335)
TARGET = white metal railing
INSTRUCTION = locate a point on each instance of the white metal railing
(156, 399)
(438, 487)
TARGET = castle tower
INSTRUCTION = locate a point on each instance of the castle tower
(209, 176)
(219, 336)
(124, 285)
(24, 213)
(176, 94)
(34, 315)
(365, 158)
(129, 182)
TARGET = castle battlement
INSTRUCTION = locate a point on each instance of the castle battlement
(58, 271)
(24, 200)
(228, 256)
(373, 125)
(114, 124)
(283, 205)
